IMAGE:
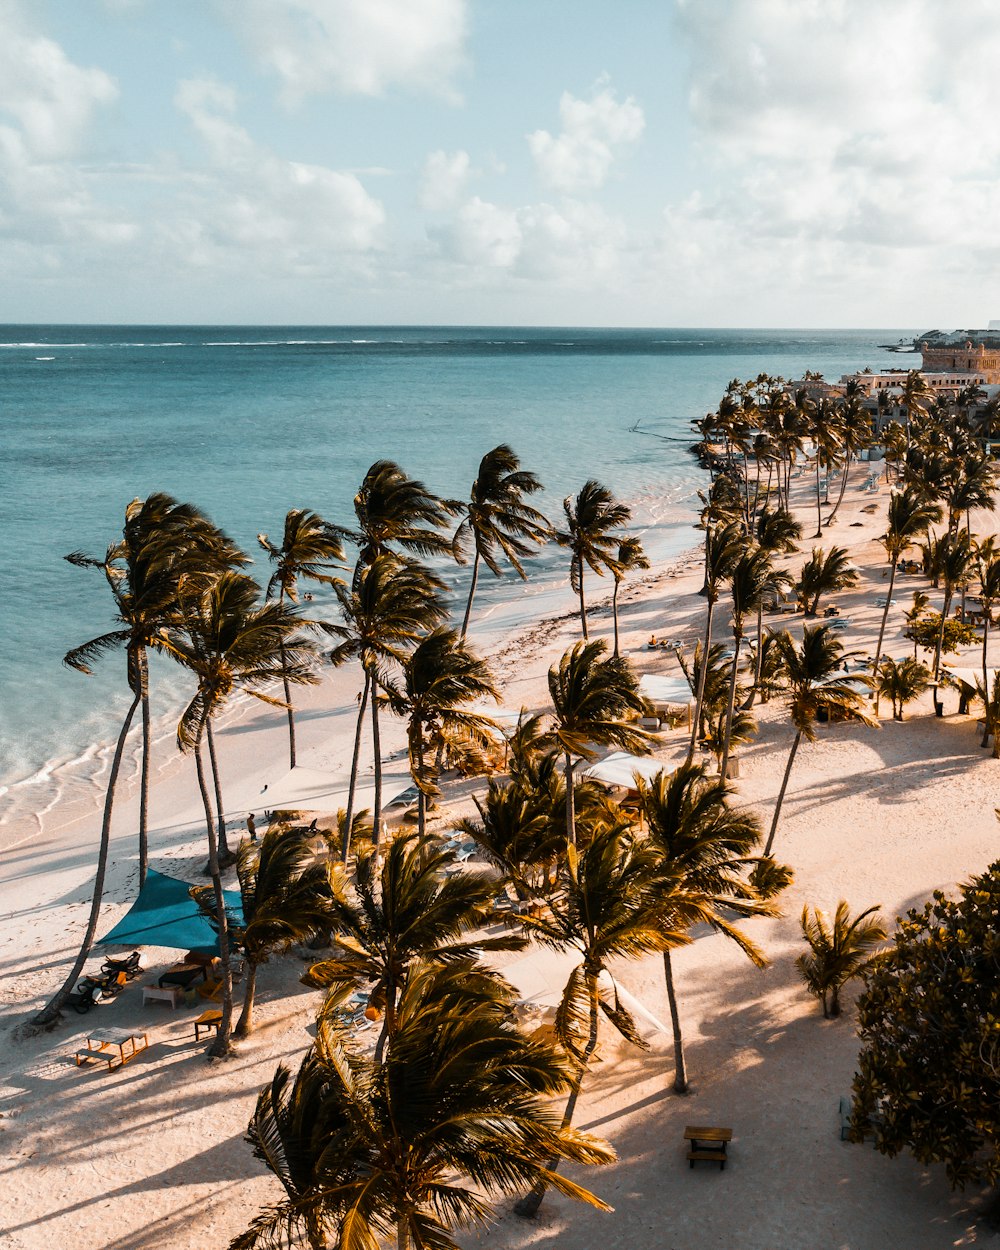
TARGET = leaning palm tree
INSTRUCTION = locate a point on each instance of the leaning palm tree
(705, 852)
(286, 899)
(592, 518)
(630, 557)
(390, 604)
(901, 681)
(909, 517)
(515, 833)
(396, 511)
(498, 521)
(441, 676)
(229, 641)
(815, 685)
(954, 561)
(838, 954)
(409, 1147)
(310, 548)
(595, 702)
(613, 906)
(724, 545)
(824, 573)
(856, 436)
(988, 575)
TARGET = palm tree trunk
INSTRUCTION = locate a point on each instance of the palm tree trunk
(291, 714)
(377, 753)
(527, 1207)
(354, 767)
(570, 801)
(843, 487)
(730, 707)
(945, 609)
(244, 1026)
(819, 514)
(988, 728)
(583, 606)
(220, 1046)
(894, 560)
(699, 698)
(614, 614)
(144, 776)
(680, 1072)
(472, 591)
(781, 793)
(50, 1012)
(421, 796)
(758, 664)
(226, 857)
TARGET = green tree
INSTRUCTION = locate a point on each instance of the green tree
(630, 558)
(396, 511)
(498, 521)
(595, 702)
(902, 681)
(824, 573)
(441, 676)
(704, 849)
(229, 641)
(753, 581)
(915, 398)
(723, 547)
(392, 602)
(929, 1064)
(515, 833)
(856, 436)
(988, 575)
(592, 518)
(954, 562)
(610, 908)
(404, 910)
(815, 685)
(286, 899)
(310, 547)
(909, 517)
(777, 532)
(412, 1146)
(838, 953)
(826, 431)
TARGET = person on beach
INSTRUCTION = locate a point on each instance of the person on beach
(252, 827)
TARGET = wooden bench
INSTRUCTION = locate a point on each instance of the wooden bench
(708, 1145)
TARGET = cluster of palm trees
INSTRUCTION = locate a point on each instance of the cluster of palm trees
(397, 1140)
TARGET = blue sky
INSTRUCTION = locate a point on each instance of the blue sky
(655, 162)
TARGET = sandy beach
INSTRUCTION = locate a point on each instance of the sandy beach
(152, 1155)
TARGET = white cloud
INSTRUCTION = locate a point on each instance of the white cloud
(362, 47)
(251, 201)
(443, 180)
(593, 131)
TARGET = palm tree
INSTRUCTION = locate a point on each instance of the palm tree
(592, 518)
(856, 435)
(724, 546)
(777, 532)
(825, 430)
(497, 519)
(909, 517)
(229, 641)
(815, 686)
(403, 911)
(440, 677)
(516, 834)
(915, 398)
(630, 558)
(705, 849)
(953, 562)
(394, 510)
(407, 1148)
(840, 954)
(390, 604)
(286, 898)
(752, 581)
(988, 572)
(594, 702)
(824, 573)
(612, 908)
(310, 547)
(902, 681)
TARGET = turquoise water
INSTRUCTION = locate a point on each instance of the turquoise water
(247, 422)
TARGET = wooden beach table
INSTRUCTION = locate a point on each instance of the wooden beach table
(115, 1047)
(708, 1145)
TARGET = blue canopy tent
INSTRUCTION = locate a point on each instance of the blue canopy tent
(165, 914)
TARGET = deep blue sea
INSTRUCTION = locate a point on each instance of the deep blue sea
(249, 421)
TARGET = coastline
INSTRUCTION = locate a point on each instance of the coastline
(874, 816)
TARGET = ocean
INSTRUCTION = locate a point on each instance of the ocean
(249, 421)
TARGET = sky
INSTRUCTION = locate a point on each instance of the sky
(757, 163)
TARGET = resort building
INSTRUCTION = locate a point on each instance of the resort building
(964, 352)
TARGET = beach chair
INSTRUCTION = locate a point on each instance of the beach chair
(129, 964)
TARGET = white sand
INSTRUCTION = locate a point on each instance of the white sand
(152, 1155)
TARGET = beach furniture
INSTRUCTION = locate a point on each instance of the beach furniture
(172, 994)
(115, 1047)
(206, 1022)
(129, 965)
(183, 975)
(211, 991)
(708, 1145)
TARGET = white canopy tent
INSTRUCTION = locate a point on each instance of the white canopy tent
(970, 676)
(619, 769)
(665, 691)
